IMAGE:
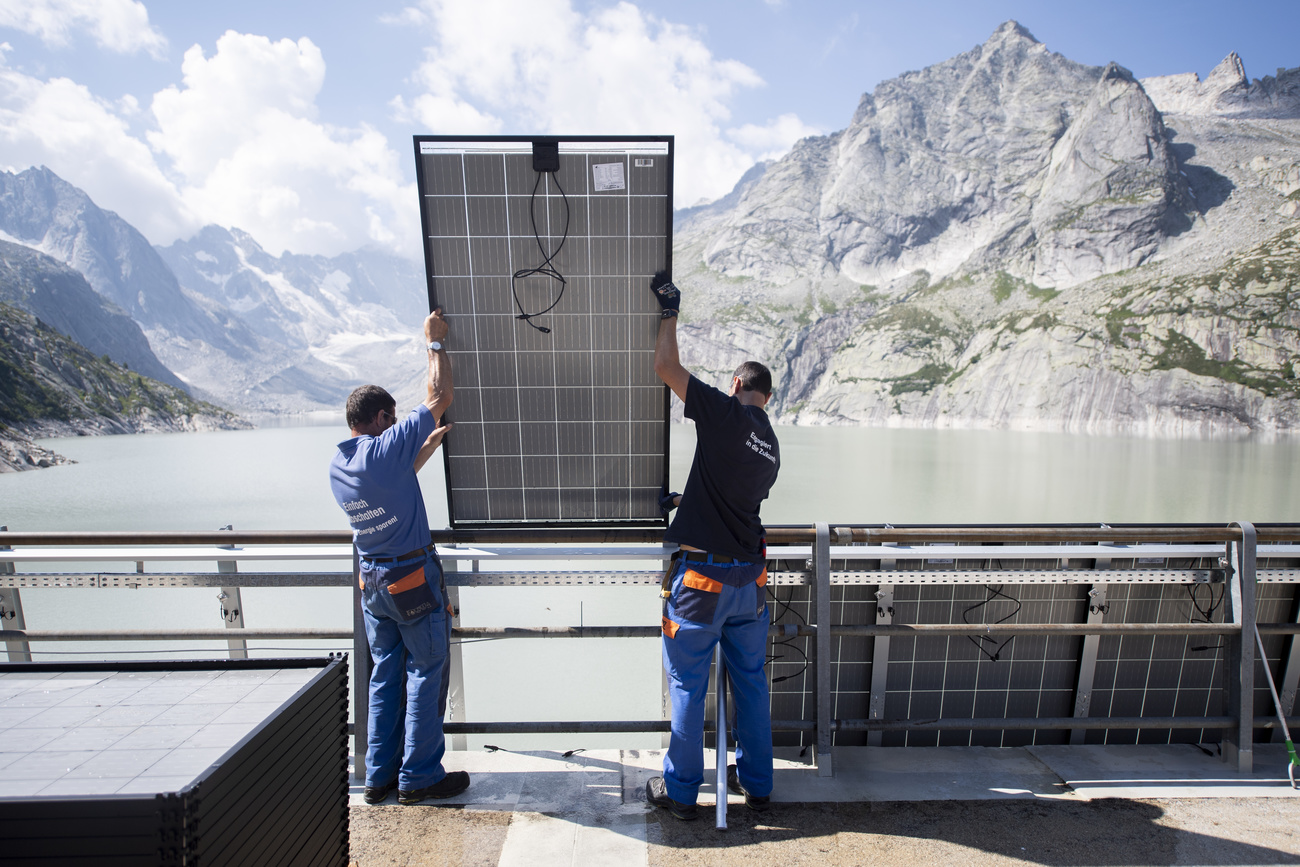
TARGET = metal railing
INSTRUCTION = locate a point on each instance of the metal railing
(816, 557)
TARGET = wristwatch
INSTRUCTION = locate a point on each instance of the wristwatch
(434, 346)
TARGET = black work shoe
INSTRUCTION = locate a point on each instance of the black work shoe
(657, 794)
(753, 802)
(376, 794)
(448, 787)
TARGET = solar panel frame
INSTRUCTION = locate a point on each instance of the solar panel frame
(568, 428)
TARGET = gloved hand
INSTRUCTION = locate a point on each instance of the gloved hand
(669, 297)
(668, 501)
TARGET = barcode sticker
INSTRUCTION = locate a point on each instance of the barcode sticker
(642, 163)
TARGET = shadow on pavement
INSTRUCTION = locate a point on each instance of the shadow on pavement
(1049, 832)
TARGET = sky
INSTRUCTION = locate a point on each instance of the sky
(293, 120)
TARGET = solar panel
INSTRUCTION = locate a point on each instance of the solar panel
(540, 251)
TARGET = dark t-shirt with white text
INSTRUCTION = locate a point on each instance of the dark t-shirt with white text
(736, 461)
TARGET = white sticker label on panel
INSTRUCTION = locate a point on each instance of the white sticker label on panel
(645, 163)
(608, 176)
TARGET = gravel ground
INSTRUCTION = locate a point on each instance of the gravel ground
(1105, 832)
(1046, 832)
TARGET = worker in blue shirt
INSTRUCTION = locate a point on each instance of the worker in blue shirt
(403, 599)
(716, 587)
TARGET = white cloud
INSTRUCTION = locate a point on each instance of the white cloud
(241, 134)
(773, 139)
(497, 66)
(118, 25)
(60, 124)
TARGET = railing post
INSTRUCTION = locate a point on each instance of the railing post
(1097, 607)
(455, 662)
(880, 657)
(822, 656)
(11, 612)
(232, 605)
(1239, 671)
(360, 674)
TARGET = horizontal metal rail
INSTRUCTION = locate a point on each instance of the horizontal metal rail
(784, 578)
(777, 632)
(779, 534)
(501, 727)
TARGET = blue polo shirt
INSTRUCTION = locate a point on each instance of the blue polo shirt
(373, 480)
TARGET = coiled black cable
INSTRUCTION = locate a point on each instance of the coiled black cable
(546, 268)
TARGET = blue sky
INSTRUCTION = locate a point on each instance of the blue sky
(292, 120)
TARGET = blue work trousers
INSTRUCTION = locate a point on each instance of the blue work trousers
(407, 746)
(700, 613)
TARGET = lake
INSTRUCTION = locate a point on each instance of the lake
(274, 478)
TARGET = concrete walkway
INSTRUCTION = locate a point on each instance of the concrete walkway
(1035, 805)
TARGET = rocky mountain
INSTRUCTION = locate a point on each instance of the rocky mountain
(1013, 239)
(51, 385)
(327, 324)
(232, 323)
(61, 297)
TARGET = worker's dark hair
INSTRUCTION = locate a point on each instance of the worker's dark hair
(754, 377)
(365, 403)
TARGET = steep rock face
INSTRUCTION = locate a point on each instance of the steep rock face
(41, 210)
(63, 299)
(1006, 154)
(1227, 92)
(1112, 190)
(1010, 239)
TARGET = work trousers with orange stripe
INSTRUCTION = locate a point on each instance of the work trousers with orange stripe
(408, 685)
(711, 604)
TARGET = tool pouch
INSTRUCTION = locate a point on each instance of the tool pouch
(410, 589)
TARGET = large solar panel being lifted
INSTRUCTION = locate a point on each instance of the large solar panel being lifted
(540, 252)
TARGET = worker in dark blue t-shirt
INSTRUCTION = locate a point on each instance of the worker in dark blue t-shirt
(717, 591)
(373, 478)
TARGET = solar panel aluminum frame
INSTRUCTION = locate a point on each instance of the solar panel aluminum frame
(473, 507)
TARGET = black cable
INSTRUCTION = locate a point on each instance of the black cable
(977, 640)
(786, 643)
(1207, 614)
(546, 269)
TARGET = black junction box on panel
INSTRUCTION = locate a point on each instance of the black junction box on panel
(546, 156)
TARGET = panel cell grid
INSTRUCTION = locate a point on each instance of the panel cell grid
(959, 676)
(567, 426)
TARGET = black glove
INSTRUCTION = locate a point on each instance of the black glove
(668, 502)
(665, 292)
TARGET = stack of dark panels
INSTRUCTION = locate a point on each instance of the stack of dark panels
(544, 278)
(239, 762)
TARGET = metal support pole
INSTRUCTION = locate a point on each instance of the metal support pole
(1097, 606)
(11, 612)
(455, 661)
(821, 566)
(1239, 672)
(880, 657)
(720, 741)
(360, 675)
(232, 605)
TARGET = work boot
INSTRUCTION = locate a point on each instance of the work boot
(657, 794)
(376, 794)
(448, 787)
(753, 802)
